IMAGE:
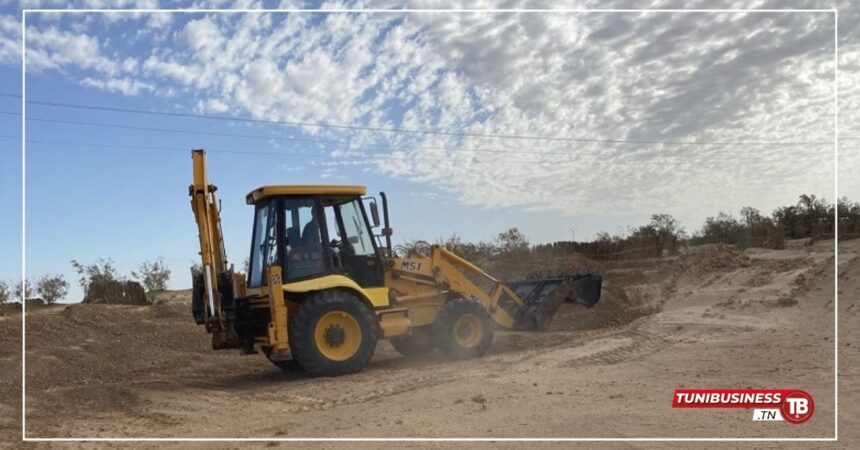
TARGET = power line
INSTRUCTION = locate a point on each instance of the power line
(347, 143)
(355, 161)
(149, 147)
(282, 138)
(399, 130)
(373, 158)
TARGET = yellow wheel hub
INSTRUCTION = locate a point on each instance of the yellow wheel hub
(468, 330)
(337, 335)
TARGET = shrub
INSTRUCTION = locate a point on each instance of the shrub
(102, 270)
(153, 275)
(52, 288)
(5, 292)
(27, 294)
(512, 243)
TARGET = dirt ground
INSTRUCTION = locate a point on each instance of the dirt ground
(711, 317)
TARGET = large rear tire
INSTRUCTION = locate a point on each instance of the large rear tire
(463, 329)
(419, 342)
(333, 333)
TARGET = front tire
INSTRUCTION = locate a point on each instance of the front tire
(333, 333)
(463, 329)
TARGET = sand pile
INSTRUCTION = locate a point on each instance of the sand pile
(701, 263)
(634, 289)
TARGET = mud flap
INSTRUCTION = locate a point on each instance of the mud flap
(543, 297)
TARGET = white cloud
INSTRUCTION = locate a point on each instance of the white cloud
(655, 76)
(169, 69)
(124, 86)
(10, 40)
(52, 48)
(211, 105)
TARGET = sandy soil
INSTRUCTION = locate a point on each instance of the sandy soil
(711, 317)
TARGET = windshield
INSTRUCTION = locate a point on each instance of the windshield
(359, 239)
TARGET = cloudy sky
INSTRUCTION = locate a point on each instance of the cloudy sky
(559, 123)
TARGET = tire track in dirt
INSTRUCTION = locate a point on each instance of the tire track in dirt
(620, 345)
(637, 345)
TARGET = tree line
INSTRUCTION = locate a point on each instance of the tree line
(96, 279)
(811, 217)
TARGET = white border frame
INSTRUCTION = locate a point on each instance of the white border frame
(24, 12)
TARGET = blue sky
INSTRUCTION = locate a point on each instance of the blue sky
(703, 79)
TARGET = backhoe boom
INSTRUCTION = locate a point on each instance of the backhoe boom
(212, 280)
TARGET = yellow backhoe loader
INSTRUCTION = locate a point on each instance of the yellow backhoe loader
(322, 288)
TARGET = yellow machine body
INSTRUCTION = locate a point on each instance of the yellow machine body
(404, 292)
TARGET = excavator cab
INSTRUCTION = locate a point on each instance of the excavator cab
(313, 231)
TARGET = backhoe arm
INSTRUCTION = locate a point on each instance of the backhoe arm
(213, 256)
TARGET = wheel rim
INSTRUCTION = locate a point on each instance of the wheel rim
(337, 335)
(468, 330)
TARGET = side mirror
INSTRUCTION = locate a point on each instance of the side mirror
(374, 214)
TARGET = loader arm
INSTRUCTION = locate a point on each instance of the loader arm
(468, 280)
(204, 204)
(521, 305)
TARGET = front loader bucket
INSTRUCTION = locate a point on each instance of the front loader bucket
(543, 297)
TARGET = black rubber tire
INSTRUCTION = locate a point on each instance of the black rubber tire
(286, 365)
(303, 324)
(444, 328)
(419, 342)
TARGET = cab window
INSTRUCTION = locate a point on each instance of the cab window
(303, 239)
(264, 244)
(359, 241)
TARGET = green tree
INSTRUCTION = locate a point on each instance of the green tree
(153, 275)
(52, 288)
(512, 242)
(26, 294)
(751, 217)
(722, 228)
(101, 270)
(789, 218)
(668, 231)
(814, 212)
(849, 218)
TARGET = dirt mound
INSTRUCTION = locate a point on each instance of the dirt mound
(633, 290)
(147, 370)
(107, 343)
(618, 306)
(113, 292)
(9, 308)
(172, 304)
(701, 262)
(169, 308)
